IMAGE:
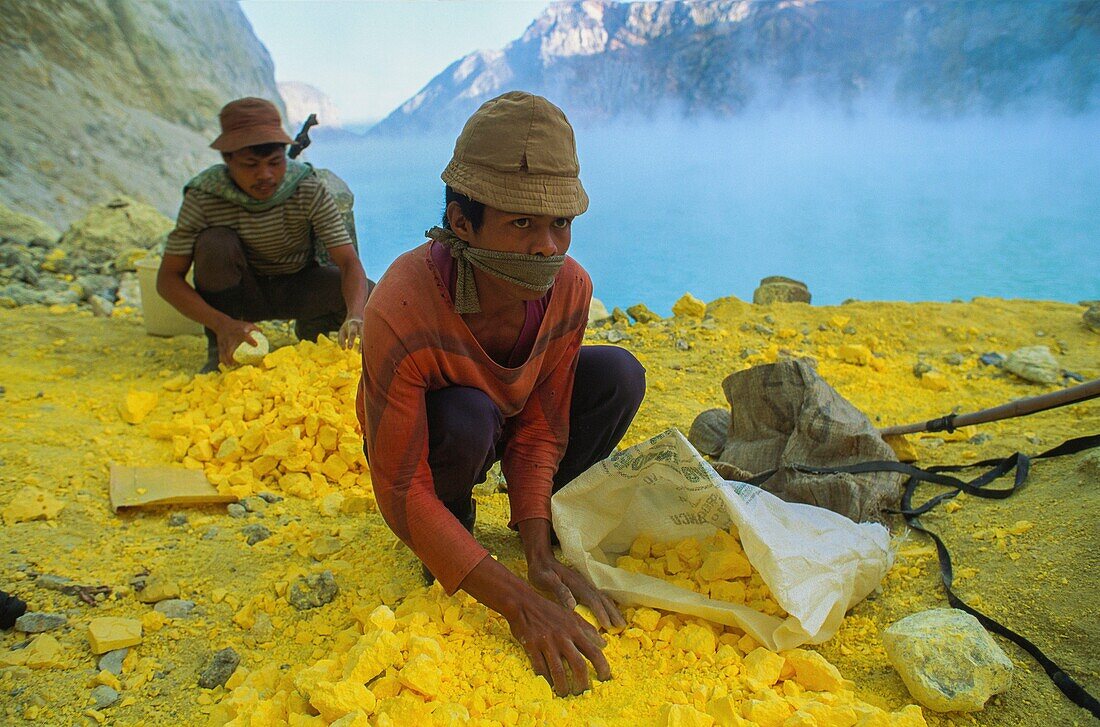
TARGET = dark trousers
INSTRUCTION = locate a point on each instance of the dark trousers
(467, 434)
(312, 296)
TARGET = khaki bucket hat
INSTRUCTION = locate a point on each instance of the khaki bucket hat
(248, 122)
(517, 153)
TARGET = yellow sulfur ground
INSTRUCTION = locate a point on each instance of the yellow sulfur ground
(1030, 560)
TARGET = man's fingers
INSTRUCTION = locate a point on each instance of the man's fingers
(594, 654)
(558, 678)
(578, 667)
(612, 610)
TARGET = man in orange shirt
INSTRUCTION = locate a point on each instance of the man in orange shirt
(472, 354)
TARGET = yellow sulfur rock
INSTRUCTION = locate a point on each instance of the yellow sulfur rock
(375, 652)
(152, 621)
(246, 353)
(336, 699)
(934, 381)
(762, 668)
(32, 503)
(137, 405)
(688, 306)
(681, 715)
(903, 448)
(699, 640)
(44, 652)
(855, 354)
(353, 719)
(725, 564)
(421, 674)
(158, 589)
(108, 633)
(108, 679)
(813, 671)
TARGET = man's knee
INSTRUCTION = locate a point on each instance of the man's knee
(218, 258)
(462, 422)
(614, 373)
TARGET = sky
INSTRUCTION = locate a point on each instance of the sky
(371, 56)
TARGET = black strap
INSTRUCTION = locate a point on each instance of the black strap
(1021, 463)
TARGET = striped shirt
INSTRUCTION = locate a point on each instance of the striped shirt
(278, 241)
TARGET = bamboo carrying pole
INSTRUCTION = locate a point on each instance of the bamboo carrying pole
(1017, 408)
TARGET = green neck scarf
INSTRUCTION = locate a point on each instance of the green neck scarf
(534, 272)
(216, 181)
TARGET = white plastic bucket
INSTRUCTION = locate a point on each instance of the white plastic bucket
(161, 319)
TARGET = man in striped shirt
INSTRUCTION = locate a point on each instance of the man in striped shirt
(249, 227)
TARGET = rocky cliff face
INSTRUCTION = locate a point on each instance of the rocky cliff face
(302, 99)
(107, 96)
(600, 59)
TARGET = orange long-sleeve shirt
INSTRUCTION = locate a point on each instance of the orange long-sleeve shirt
(413, 343)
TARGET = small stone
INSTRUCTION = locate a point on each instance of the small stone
(597, 312)
(101, 307)
(176, 520)
(32, 503)
(615, 336)
(747, 352)
(246, 353)
(779, 289)
(618, 315)
(642, 314)
(211, 532)
(992, 359)
(175, 608)
(947, 660)
(255, 533)
(137, 405)
(1034, 363)
(112, 661)
(688, 306)
(953, 359)
(60, 584)
(219, 669)
(36, 622)
(254, 504)
(849, 330)
(104, 696)
(981, 438)
(269, 497)
(762, 329)
(682, 345)
(158, 589)
(312, 591)
(236, 510)
(1091, 317)
(920, 368)
(108, 633)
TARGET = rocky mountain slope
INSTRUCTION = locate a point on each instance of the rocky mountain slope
(102, 97)
(601, 59)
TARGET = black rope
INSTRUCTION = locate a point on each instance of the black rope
(1021, 464)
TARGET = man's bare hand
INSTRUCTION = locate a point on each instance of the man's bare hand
(350, 332)
(559, 644)
(568, 587)
(231, 334)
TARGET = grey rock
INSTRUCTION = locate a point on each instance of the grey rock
(1040, 334)
(1034, 363)
(255, 533)
(953, 359)
(218, 670)
(211, 532)
(175, 607)
(36, 622)
(642, 314)
(1072, 375)
(597, 312)
(709, 431)
(682, 345)
(254, 504)
(762, 329)
(270, 497)
(920, 368)
(769, 319)
(104, 696)
(24, 229)
(615, 336)
(176, 520)
(57, 583)
(992, 359)
(236, 510)
(618, 315)
(1091, 317)
(101, 307)
(778, 289)
(981, 438)
(112, 661)
(312, 591)
(746, 352)
(947, 660)
(849, 330)
(1088, 464)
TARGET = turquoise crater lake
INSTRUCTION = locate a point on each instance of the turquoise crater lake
(874, 209)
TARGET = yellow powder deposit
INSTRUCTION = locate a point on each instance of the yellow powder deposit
(80, 393)
(715, 567)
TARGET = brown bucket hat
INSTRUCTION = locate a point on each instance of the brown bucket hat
(517, 153)
(247, 122)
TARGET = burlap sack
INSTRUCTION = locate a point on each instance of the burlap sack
(785, 414)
